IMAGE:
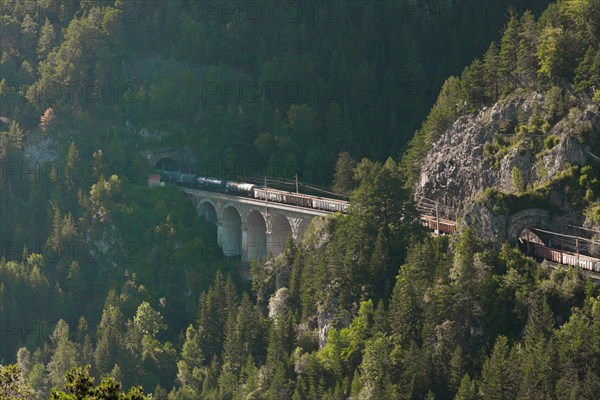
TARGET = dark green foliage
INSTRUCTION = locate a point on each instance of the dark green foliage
(257, 87)
(12, 385)
(496, 374)
(467, 389)
(371, 308)
(80, 385)
(343, 180)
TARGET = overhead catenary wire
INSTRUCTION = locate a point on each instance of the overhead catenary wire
(582, 228)
(293, 184)
(564, 235)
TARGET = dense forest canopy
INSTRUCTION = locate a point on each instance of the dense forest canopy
(267, 82)
(107, 285)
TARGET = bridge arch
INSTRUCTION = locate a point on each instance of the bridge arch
(230, 234)
(256, 241)
(167, 164)
(208, 211)
(281, 229)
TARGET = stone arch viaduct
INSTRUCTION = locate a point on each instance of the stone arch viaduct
(251, 228)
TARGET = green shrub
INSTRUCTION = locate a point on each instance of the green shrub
(551, 141)
(517, 180)
(546, 126)
(555, 105)
(582, 129)
(592, 212)
(542, 172)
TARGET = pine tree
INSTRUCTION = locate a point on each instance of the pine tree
(76, 283)
(46, 41)
(250, 377)
(457, 369)
(540, 323)
(280, 387)
(64, 354)
(72, 174)
(465, 278)
(380, 268)
(538, 356)
(191, 361)
(473, 85)
(110, 347)
(405, 311)
(527, 64)
(491, 65)
(587, 73)
(467, 389)
(590, 387)
(509, 45)
(85, 349)
(215, 307)
(343, 181)
(380, 319)
(495, 376)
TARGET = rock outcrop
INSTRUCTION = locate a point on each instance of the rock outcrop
(457, 166)
(501, 148)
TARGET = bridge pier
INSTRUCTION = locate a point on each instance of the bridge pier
(245, 244)
(271, 247)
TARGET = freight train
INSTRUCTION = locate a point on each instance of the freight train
(559, 256)
(253, 191)
(446, 227)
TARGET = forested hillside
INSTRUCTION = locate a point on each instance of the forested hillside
(107, 285)
(277, 82)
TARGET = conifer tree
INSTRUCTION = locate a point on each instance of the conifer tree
(467, 389)
(406, 307)
(527, 64)
(495, 376)
(64, 354)
(509, 45)
(343, 181)
(46, 40)
(491, 65)
(191, 362)
(110, 346)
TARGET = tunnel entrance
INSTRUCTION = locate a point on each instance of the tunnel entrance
(528, 240)
(529, 234)
(167, 164)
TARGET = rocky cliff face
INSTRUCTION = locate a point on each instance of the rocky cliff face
(483, 150)
(40, 148)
